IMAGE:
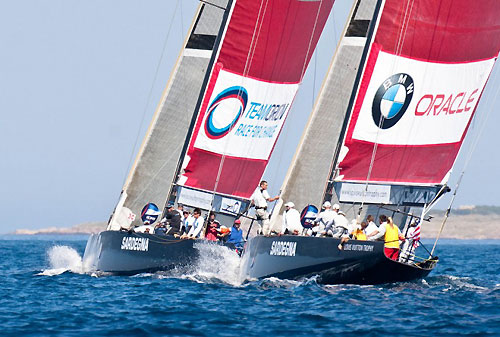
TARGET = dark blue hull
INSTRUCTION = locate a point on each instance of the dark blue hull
(285, 257)
(123, 253)
(295, 257)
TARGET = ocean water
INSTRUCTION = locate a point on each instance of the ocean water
(46, 292)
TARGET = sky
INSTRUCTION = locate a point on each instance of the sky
(79, 83)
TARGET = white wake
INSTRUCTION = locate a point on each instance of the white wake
(216, 263)
(62, 259)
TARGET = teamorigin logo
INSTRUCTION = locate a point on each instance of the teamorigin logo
(391, 100)
(225, 111)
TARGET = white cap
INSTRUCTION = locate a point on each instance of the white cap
(290, 204)
(327, 204)
(336, 206)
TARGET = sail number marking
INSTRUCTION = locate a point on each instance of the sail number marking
(283, 248)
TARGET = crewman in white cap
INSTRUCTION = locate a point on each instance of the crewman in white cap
(291, 220)
(259, 199)
(323, 219)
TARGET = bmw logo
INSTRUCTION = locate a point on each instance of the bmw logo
(224, 111)
(392, 99)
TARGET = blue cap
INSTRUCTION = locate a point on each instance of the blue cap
(170, 204)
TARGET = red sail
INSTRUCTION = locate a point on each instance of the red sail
(425, 73)
(264, 53)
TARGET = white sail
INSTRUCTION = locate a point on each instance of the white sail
(310, 168)
(155, 165)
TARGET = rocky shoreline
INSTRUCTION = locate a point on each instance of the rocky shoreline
(85, 228)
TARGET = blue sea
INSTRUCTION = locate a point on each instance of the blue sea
(46, 292)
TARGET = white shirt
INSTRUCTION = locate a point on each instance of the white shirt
(189, 220)
(381, 231)
(326, 216)
(291, 221)
(372, 227)
(260, 198)
(196, 227)
(341, 221)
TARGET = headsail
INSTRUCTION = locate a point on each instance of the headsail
(154, 169)
(427, 67)
(265, 51)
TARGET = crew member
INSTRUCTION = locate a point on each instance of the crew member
(323, 219)
(371, 226)
(392, 235)
(212, 228)
(196, 225)
(291, 220)
(236, 235)
(409, 245)
(260, 198)
(174, 220)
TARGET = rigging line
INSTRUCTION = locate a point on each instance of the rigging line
(314, 79)
(156, 174)
(304, 68)
(195, 118)
(399, 48)
(315, 53)
(447, 213)
(182, 20)
(481, 128)
(246, 70)
(398, 52)
(150, 94)
(468, 158)
(370, 168)
(335, 168)
(404, 27)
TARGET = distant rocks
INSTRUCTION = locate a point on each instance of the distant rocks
(85, 228)
(466, 226)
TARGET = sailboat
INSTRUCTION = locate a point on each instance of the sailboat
(216, 126)
(385, 132)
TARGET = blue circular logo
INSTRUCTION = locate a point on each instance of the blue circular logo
(216, 132)
(150, 213)
(391, 100)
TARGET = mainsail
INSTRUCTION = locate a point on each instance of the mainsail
(265, 50)
(155, 166)
(424, 68)
(310, 167)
